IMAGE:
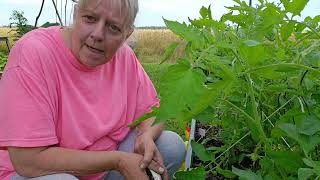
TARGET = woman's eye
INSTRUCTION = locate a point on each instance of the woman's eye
(89, 18)
(114, 28)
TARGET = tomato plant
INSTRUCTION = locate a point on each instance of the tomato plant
(255, 74)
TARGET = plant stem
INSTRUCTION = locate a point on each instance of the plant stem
(203, 53)
(257, 120)
(238, 109)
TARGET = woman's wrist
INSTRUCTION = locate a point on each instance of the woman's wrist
(151, 131)
(117, 160)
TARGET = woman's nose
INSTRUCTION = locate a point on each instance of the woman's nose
(98, 32)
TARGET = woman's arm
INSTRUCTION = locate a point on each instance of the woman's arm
(40, 161)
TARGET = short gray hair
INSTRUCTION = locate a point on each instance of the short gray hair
(131, 5)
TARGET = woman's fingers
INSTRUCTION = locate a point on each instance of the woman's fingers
(147, 158)
(158, 158)
(156, 167)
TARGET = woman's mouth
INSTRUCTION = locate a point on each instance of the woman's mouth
(95, 50)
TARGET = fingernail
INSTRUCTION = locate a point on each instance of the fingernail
(161, 169)
(142, 166)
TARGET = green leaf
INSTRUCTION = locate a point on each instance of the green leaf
(186, 32)
(288, 160)
(276, 88)
(180, 88)
(272, 176)
(200, 23)
(314, 58)
(294, 6)
(310, 125)
(300, 27)
(192, 174)
(314, 164)
(206, 116)
(308, 162)
(204, 12)
(208, 96)
(209, 12)
(169, 52)
(269, 17)
(251, 43)
(143, 118)
(226, 173)
(266, 164)
(309, 143)
(268, 74)
(252, 52)
(246, 175)
(286, 30)
(305, 173)
(238, 19)
(291, 130)
(201, 152)
(226, 45)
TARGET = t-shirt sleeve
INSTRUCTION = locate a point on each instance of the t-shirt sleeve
(147, 95)
(26, 119)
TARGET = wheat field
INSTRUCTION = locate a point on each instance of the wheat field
(6, 32)
(151, 44)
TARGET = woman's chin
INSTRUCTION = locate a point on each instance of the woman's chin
(93, 61)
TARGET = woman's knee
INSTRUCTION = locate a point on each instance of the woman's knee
(171, 147)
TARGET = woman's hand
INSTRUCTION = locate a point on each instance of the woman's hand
(128, 166)
(144, 145)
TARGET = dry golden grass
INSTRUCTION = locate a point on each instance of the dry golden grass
(6, 32)
(151, 44)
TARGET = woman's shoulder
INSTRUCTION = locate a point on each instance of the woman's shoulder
(33, 47)
(40, 36)
(126, 57)
(36, 40)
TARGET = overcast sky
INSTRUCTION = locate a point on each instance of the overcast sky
(151, 11)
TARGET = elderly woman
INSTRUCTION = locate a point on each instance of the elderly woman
(67, 98)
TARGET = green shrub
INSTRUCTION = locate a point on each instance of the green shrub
(20, 22)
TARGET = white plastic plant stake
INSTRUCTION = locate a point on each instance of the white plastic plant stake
(155, 175)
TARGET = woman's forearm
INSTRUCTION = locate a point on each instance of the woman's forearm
(34, 162)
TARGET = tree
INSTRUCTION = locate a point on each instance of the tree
(20, 22)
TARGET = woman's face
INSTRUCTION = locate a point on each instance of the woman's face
(99, 30)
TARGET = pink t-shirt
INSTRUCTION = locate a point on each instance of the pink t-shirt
(47, 97)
